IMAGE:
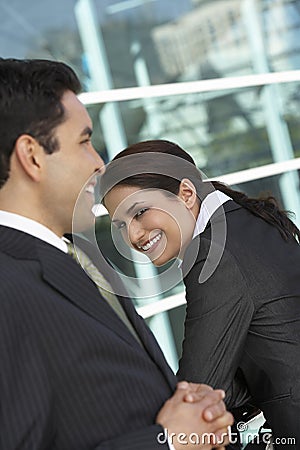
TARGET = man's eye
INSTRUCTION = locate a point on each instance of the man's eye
(141, 212)
(86, 141)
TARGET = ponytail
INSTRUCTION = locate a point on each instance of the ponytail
(265, 207)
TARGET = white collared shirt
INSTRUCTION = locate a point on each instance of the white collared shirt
(33, 228)
(208, 207)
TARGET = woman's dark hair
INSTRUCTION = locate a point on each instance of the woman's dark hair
(154, 164)
(30, 103)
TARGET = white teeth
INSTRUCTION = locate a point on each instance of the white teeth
(150, 243)
(90, 189)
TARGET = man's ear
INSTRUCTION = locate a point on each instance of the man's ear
(187, 193)
(30, 156)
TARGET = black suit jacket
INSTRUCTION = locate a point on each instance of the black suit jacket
(72, 376)
(246, 318)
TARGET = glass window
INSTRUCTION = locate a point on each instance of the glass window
(176, 39)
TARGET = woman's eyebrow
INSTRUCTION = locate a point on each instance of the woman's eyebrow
(133, 206)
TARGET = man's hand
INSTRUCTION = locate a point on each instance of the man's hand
(196, 417)
(194, 391)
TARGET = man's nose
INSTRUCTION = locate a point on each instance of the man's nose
(100, 166)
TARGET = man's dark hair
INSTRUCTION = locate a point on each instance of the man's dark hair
(30, 103)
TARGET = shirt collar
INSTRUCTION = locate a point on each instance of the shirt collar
(208, 207)
(33, 228)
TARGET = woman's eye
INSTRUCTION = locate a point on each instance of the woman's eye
(141, 212)
(120, 225)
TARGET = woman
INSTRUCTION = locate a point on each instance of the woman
(241, 269)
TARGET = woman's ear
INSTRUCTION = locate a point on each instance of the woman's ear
(187, 193)
(30, 155)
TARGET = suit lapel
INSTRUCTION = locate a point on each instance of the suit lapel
(64, 275)
(218, 220)
(141, 328)
(148, 340)
(227, 207)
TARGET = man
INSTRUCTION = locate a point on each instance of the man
(73, 376)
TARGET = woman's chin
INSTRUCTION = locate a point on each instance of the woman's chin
(158, 263)
(161, 261)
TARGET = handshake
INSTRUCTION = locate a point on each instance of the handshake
(195, 417)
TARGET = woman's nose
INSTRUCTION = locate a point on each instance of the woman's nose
(135, 233)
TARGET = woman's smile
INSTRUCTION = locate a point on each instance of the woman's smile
(150, 244)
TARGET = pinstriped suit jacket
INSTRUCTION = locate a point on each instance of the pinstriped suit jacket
(72, 376)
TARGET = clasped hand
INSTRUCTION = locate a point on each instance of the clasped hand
(196, 417)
